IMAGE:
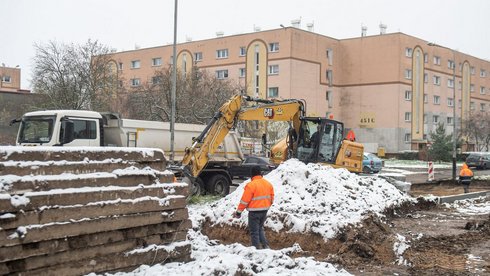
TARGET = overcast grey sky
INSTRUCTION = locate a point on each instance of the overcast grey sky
(121, 24)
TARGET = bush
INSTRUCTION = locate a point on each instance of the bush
(408, 155)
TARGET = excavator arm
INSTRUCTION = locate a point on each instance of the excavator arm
(197, 156)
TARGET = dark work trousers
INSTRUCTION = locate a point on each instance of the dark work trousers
(256, 220)
(466, 181)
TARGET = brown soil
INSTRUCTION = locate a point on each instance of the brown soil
(441, 241)
(445, 188)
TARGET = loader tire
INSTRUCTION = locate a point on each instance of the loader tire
(218, 185)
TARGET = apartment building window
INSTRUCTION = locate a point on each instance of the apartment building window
(6, 79)
(425, 118)
(426, 58)
(483, 73)
(156, 79)
(408, 116)
(482, 90)
(329, 77)
(198, 56)
(437, 99)
(450, 64)
(329, 98)
(243, 51)
(222, 53)
(273, 69)
(330, 56)
(435, 119)
(449, 120)
(408, 52)
(450, 83)
(426, 98)
(407, 138)
(408, 95)
(135, 64)
(450, 102)
(120, 66)
(273, 92)
(135, 82)
(426, 77)
(472, 88)
(472, 105)
(472, 70)
(222, 74)
(437, 60)
(241, 72)
(156, 61)
(482, 107)
(408, 74)
(460, 85)
(437, 80)
(459, 104)
(274, 47)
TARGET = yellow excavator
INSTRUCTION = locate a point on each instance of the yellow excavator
(309, 139)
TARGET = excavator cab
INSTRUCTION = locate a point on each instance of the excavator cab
(319, 140)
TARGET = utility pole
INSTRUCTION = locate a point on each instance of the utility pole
(454, 106)
(174, 86)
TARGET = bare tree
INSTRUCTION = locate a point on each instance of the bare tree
(477, 129)
(199, 96)
(74, 76)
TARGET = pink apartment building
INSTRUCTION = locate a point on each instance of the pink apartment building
(391, 89)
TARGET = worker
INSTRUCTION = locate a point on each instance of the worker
(315, 137)
(465, 176)
(257, 198)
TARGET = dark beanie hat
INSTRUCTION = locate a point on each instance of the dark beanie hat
(255, 171)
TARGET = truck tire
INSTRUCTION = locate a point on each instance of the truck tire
(196, 187)
(218, 185)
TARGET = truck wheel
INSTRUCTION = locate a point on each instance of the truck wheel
(196, 187)
(219, 185)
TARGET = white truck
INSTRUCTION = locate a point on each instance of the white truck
(89, 128)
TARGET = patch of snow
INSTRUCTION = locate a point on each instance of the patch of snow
(399, 248)
(9, 150)
(211, 258)
(17, 200)
(7, 216)
(473, 206)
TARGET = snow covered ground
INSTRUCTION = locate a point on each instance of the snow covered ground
(309, 199)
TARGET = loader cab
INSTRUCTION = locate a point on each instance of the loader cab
(319, 140)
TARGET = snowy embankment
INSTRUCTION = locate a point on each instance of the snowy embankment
(308, 199)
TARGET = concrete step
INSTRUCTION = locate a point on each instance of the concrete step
(14, 184)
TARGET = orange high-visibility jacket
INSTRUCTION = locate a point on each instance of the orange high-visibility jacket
(465, 171)
(258, 195)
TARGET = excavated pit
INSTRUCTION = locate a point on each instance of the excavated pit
(368, 248)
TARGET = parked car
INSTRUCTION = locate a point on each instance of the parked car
(243, 171)
(479, 160)
(371, 163)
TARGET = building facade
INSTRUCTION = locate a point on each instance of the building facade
(10, 79)
(391, 89)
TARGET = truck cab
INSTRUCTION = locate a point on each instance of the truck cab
(60, 128)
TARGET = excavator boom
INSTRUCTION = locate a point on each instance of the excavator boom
(326, 147)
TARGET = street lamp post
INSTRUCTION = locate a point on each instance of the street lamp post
(454, 116)
(454, 107)
(174, 87)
